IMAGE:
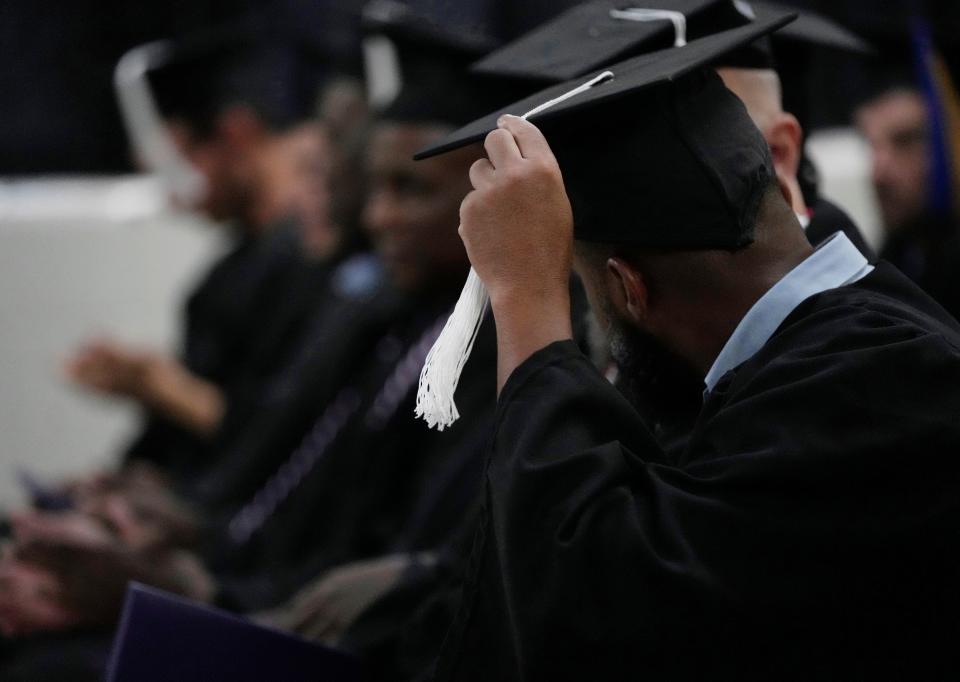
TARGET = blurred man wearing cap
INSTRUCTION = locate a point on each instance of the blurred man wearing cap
(238, 108)
(895, 126)
(806, 530)
(895, 120)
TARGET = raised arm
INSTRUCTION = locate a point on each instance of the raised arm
(518, 230)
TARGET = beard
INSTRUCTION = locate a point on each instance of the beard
(665, 389)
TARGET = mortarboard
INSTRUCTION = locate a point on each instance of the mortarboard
(642, 137)
(656, 135)
(418, 68)
(276, 73)
(596, 34)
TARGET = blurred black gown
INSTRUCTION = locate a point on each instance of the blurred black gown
(385, 484)
(225, 318)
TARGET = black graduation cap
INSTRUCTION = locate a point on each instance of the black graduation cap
(432, 61)
(269, 68)
(596, 34)
(657, 152)
(813, 29)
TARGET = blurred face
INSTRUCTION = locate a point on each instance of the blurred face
(227, 176)
(413, 207)
(895, 126)
(308, 155)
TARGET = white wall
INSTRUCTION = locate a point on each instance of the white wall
(842, 157)
(81, 257)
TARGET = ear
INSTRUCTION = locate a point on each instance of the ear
(628, 290)
(785, 137)
(240, 127)
(785, 190)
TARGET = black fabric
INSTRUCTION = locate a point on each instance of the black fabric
(928, 252)
(381, 488)
(827, 218)
(259, 61)
(224, 318)
(399, 636)
(807, 531)
(586, 38)
(433, 59)
(685, 150)
(62, 657)
(686, 153)
(324, 323)
(634, 76)
(333, 351)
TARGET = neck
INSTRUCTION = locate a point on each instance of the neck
(707, 321)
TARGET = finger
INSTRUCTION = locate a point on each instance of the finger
(501, 148)
(481, 173)
(528, 138)
(316, 628)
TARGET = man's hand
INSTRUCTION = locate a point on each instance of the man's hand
(105, 366)
(517, 226)
(155, 380)
(52, 585)
(30, 599)
(69, 527)
(325, 610)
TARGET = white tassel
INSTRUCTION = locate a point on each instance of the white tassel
(444, 364)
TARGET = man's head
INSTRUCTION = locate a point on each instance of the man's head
(229, 98)
(225, 157)
(412, 208)
(894, 124)
(760, 91)
(664, 309)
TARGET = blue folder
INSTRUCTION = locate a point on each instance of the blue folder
(163, 638)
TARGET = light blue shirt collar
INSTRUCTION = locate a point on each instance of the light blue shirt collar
(835, 263)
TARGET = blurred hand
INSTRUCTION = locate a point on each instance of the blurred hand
(67, 527)
(325, 610)
(57, 585)
(143, 519)
(108, 367)
(155, 380)
(30, 600)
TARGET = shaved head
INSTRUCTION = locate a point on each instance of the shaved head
(762, 94)
(759, 90)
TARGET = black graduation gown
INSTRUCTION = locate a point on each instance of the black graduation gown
(224, 318)
(928, 252)
(321, 329)
(382, 487)
(332, 354)
(808, 531)
(827, 218)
